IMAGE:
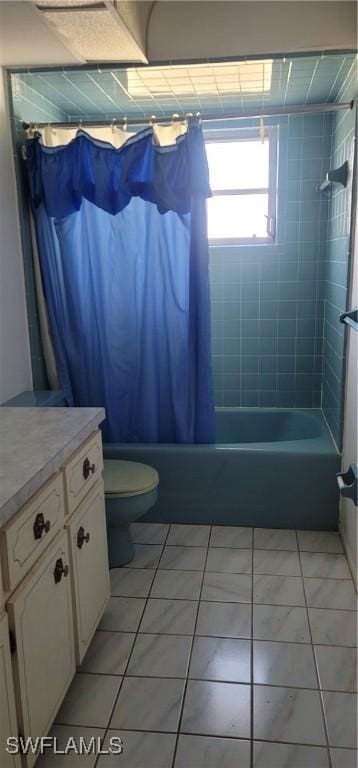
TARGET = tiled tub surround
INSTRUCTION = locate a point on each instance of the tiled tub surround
(279, 360)
(267, 300)
(267, 310)
(223, 646)
(338, 264)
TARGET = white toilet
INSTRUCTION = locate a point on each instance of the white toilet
(131, 489)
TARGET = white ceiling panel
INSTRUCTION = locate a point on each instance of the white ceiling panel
(96, 35)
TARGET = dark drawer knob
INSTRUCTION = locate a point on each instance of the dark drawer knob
(60, 570)
(82, 537)
(41, 526)
(88, 468)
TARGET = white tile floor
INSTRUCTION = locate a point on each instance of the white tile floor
(222, 647)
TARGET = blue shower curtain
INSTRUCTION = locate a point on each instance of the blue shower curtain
(124, 259)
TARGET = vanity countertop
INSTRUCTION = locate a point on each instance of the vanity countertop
(35, 443)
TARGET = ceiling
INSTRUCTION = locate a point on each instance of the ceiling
(143, 91)
(39, 32)
(51, 32)
(197, 29)
(26, 40)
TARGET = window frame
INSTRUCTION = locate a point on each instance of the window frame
(250, 134)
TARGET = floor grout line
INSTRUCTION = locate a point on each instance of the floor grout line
(189, 658)
(255, 638)
(214, 680)
(241, 573)
(246, 546)
(235, 602)
(316, 669)
(205, 735)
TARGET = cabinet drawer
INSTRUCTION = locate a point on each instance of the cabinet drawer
(82, 471)
(41, 619)
(89, 566)
(26, 536)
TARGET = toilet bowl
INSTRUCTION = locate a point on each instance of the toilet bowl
(130, 489)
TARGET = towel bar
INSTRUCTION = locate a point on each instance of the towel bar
(350, 318)
(347, 483)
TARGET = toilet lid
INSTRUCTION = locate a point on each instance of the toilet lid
(128, 478)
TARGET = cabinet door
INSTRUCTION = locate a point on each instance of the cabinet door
(8, 724)
(41, 618)
(89, 561)
(2, 597)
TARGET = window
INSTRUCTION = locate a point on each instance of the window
(243, 171)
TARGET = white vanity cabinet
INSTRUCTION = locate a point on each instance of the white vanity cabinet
(56, 586)
(89, 566)
(8, 724)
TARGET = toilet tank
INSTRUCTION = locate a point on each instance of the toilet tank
(39, 398)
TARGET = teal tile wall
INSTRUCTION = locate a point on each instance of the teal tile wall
(267, 300)
(337, 266)
(107, 91)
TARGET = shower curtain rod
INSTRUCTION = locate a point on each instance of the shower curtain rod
(296, 109)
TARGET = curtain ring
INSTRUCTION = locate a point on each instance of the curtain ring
(113, 124)
(262, 130)
(175, 117)
(198, 115)
(125, 121)
(31, 130)
(151, 121)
